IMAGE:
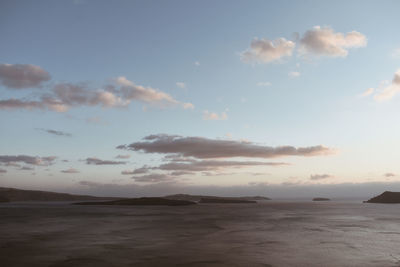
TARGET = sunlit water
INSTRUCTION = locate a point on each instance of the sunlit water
(263, 234)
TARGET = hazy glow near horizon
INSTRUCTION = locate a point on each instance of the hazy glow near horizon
(183, 94)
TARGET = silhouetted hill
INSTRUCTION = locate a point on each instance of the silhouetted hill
(197, 198)
(320, 199)
(143, 201)
(225, 200)
(386, 197)
(13, 194)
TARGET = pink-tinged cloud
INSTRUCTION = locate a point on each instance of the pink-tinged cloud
(203, 148)
(389, 91)
(323, 41)
(266, 51)
(20, 76)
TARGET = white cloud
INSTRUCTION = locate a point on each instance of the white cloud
(389, 91)
(294, 74)
(368, 92)
(325, 42)
(196, 63)
(214, 116)
(266, 51)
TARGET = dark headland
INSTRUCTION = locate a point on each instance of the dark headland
(143, 201)
(386, 197)
(13, 194)
(320, 199)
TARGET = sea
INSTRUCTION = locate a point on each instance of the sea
(269, 233)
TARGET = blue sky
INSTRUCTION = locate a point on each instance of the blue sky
(312, 88)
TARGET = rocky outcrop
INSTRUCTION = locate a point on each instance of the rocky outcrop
(386, 197)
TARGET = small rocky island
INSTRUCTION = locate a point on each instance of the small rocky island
(143, 201)
(320, 199)
(224, 200)
(385, 197)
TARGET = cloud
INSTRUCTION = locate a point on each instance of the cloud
(141, 170)
(213, 165)
(389, 174)
(131, 91)
(188, 106)
(26, 168)
(325, 42)
(316, 177)
(203, 148)
(54, 132)
(266, 51)
(153, 178)
(19, 76)
(96, 161)
(389, 91)
(39, 161)
(368, 92)
(181, 85)
(63, 96)
(264, 84)
(70, 170)
(3, 171)
(294, 74)
(197, 63)
(214, 116)
(123, 156)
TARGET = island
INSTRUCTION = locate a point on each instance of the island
(197, 198)
(385, 197)
(143, 201)
(225, 200)
(320, 199)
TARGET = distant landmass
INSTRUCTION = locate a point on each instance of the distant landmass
(143, 201)
(224, 200)
(320, 199)
(386, 197)
(13, 194)
(197, 198)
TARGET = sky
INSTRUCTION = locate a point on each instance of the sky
(279, 98)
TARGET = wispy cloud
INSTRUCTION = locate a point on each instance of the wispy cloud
(55, 132)
(97, 161)
(264, 84)
(123, 156)
(214, 116)
(316, 177)
(294, 74)
(39, 161)
(70, 170)
(389, 91)
(181, 85)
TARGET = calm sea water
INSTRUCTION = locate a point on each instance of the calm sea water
(265, 234)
